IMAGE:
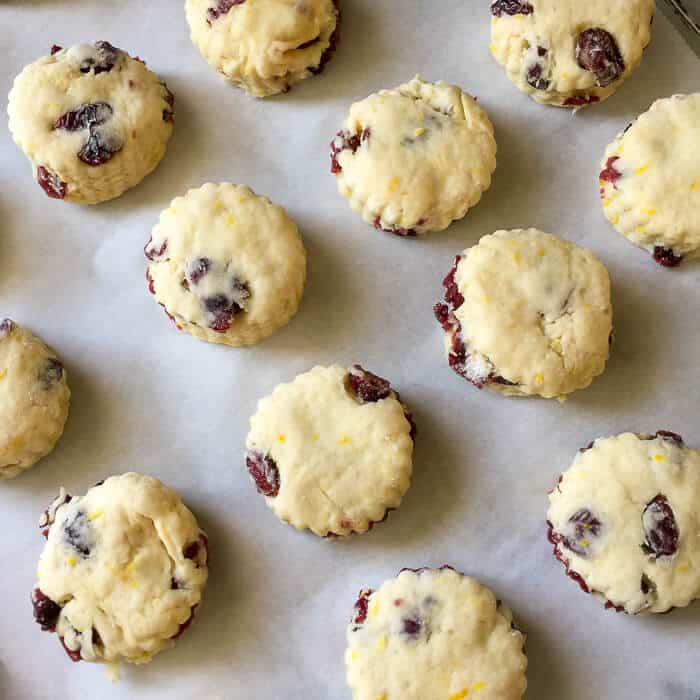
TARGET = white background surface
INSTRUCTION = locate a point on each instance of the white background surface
(146, 397)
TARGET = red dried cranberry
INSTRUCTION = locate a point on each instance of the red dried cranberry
(46, 612)
(99, 148)
(555, 538)
(597, 51)
(668, 435)
(265, 474)
(169, 114)
(51, 373)
(510, 7)
(585, 525)
(346, 141)
(333, 42)
(7, 325)
(104, 61)
(397, 230)
(55, 49)
(361, 607)
(412, 627)
(452, 293)
(534, 76)
(221, 8)
(581, 100)
(666, 257)
(660, 528)
(610, 174)
(442, 314)
(74, 654)
(49, 515)
(196, 269)
(153, 253)
(84, 117)
(151, 282)
(50, 183)
(583, 449)
(198, 551)
(76, 530)
(367, 387)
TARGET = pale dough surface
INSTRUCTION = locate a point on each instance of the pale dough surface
(245, 238)
(554, 25)
(110, 561)
(264, 46)
(615, 480)
(34, 399)
(656, 200)
(426, 156)
(341, 463)
(463, 645)
(54, 85)
(536, 312)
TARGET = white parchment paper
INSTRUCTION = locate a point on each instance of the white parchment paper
(148, 398)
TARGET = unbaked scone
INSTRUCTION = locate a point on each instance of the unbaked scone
(34, 399)
(414, 159)
(265, 46)
(332, 451)
(527, 313)
(122, 572)
(434, 634)
(650, 180)
(566, 52)
(624, 520)
(227, 264)
(92, 120)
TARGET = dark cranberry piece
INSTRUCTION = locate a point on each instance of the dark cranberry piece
(397, 230)
(221, 8)
(585, 525)
(175, 585)
(361, 607)
(169, 114)
(153, 253)
(46, 612)
(49, 515)
(264, 472)
(191, 550)
(367, 387)
(535, 79)
(555, 538)
(223, 310)
(50, 183)
(74, 654)
(84, 117)
(104, 62)
(198, 551)
(668, 435)
(666, 257)
(55, 49)
(597, 51)
(510, 7)
(197, 269)
(442, 314)
(333, 42)
(345, 141)
(412, 627)
(99, 149)
(7, 325)
(186, 623)
(75, 531)
(660, 528)
(581, 100)
(52, 372)
(452, 294)
(610, 174)
(583, 449)
(647, 585)
(151, 283)
(96, 639)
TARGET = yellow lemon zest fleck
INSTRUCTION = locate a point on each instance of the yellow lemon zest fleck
(3, 374)
(353, 655)
(614, 220)
(516, 258)
(479, 685)
(694, 186)
(519, 18)
(230, 221)
(95, 514)
(381, 643)
(16, 443)
(492, 47)
(344, 440)
(641, 169)
(540, 252)
(217, 205)
(281, 438)
(38, 572)
(659, 458)
(650, 212)
(394, 184)
(683, 567)
(640, 230)
(374, 609)
(621, 148)
(555, 344)
(539, 378)
(607, 203)
(585, 543)
(459, 695)
(486, 300)
(382, 697)
(419, 131)
(315, 437)
(71, 562)
(170, 210)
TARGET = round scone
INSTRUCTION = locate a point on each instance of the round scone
(122, 572)
(624, 520)
(332, 451)
(414, 159)
(527, 313)
(34, 399)
(650, 180)
(92, 120)
(227, 264)
(265, 46)
(566, 52)
(434, 634)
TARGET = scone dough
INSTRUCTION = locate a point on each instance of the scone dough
(227, 264)
(527, 313)
(122, 571)
(34, 399)
(413, 159)
(332, 450)
(264, 46)
(92, 120)
(566, 52)
(624, 520)
(434, 635)
(650, 180)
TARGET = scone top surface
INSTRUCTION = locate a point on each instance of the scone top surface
(332, 450)
(567, 52)
(123, 569)
(532, 315)
(92, 120)
(625, 518)
(228, 265)
(650, 180)
(413, 159)
(264, 46)
(34, 399)
(434, 635)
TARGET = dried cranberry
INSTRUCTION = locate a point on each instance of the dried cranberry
(51, 373)
(534, 77)
(198, 551)
(660, 528)
(668, 435)
(581, 100)
(610, 174)
(84, 117)
(442, 314)
(585, 525)
(55, 49)
(50, 183)
(333, 42)
(412, 627)
(169, 114)
(367, 387)
(73, 653)
(99, 147)
(584, 449)
(196, 269)
(555, 538)
(346, 141)
(76, 531)
(7, 325)
(361, 607)
(666, 257)
(46, 612)
(452, 293)
(185, 624)
(221, 8)
(510, 7)
(397, 230)
(153, 253)
(597, 51)
(103, 62)
(265, 474)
